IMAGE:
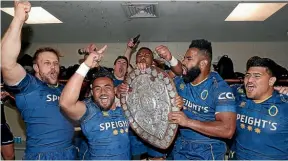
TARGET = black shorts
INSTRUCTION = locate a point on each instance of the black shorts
(6, 135)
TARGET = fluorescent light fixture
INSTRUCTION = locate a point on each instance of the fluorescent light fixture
(254, 11)
(37, 15)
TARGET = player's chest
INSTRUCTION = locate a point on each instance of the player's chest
(45, 96)
(50, 95)
(259, 118)
(105, 124)
(198, 100)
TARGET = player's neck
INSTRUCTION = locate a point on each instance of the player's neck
(201, 78)
(119, 78)
(37, 75)
(265, 96)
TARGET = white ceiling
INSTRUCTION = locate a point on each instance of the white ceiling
(105, 21)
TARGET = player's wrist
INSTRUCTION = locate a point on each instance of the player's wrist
(83, 70)
(187, 123)
(173, 62)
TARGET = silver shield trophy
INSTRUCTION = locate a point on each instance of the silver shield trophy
(149, 100)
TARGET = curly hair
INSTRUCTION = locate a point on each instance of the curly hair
(204, 46)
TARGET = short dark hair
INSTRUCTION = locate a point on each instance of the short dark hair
(102, 72)
(250, 61)
(45, 49)
(145, 48)
(121, 57)
(267, 63)
(204, 46)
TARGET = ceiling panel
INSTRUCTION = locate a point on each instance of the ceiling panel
(105, 21)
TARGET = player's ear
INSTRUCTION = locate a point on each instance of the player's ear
(203, 64)
(36, 68)
(272, 81)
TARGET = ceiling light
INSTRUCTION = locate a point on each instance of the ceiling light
(37, 15)
(254, 11)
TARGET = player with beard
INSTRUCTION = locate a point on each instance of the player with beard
(139, 148)
(102, 122)
(262, 123)
(209, 115)
(49, 133)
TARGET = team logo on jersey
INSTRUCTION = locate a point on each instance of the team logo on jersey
(195, 108)
(113, 125)
(105, 113)
(52, 98)
(242, 104)
(254, 124)
(115, 132)
(226, 95)
(204, 94)
(273, 110)
(257, 130)
(240, 90)
(283, 98)
(121, 131)
(182, 86)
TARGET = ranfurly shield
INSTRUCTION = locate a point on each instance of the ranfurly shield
(149, 100)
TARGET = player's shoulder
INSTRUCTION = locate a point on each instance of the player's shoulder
(178, 79)
(61, 86)
(179, 83)
(120, 110)
(217, 81)
(280, 98)
(89, 102)
(278, 103)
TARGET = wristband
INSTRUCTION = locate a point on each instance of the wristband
(173, 62)
(83, 69)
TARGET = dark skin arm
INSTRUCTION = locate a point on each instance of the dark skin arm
(164, 53)
(223, 126)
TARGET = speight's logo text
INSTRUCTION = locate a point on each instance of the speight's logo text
(257, 122)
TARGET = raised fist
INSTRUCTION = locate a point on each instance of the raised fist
(163, 52)
(21, 10)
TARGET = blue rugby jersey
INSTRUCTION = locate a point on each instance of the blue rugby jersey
(47, 129)
(262, 128)
(107, 133)
(203, 101)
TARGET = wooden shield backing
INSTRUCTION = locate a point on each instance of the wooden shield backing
(149, 100)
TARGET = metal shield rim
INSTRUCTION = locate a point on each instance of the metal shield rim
(171, 127)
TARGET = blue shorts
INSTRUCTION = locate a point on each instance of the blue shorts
(69, 153)
(82, 144)
(90, 155)
(198, 150)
